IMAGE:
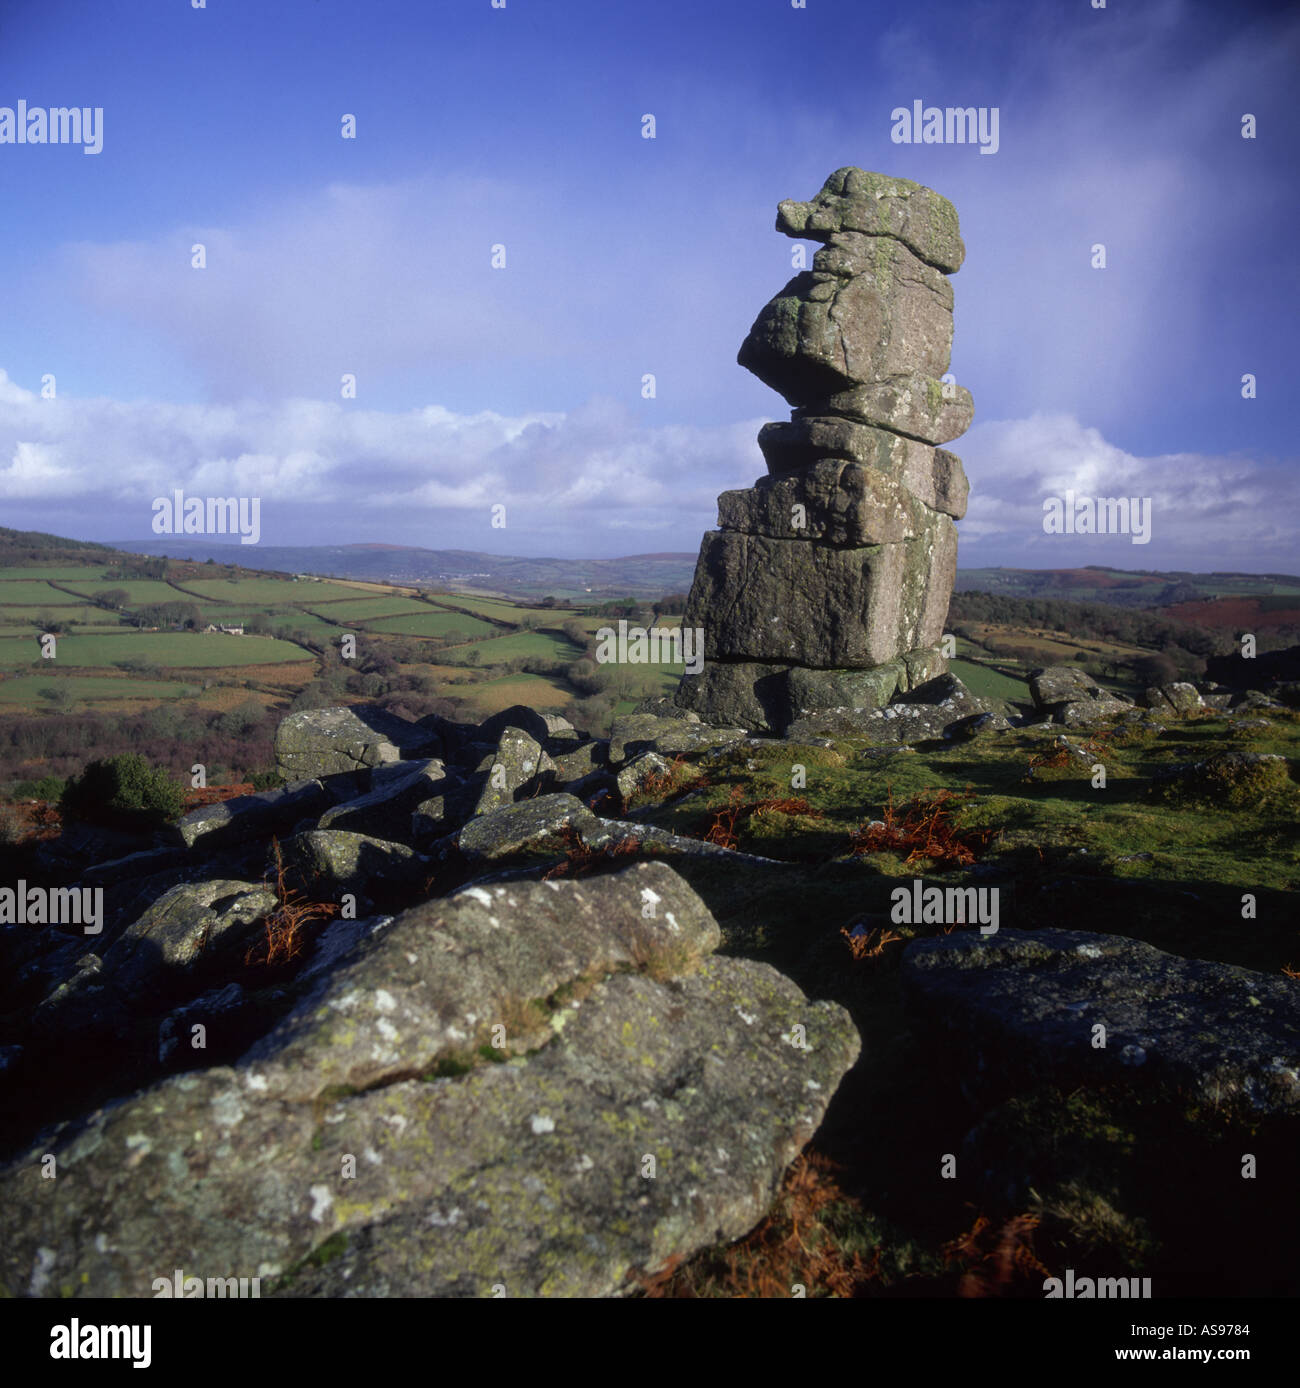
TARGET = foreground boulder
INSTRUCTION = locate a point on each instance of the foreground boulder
(1023, 1007)
(663, 1095)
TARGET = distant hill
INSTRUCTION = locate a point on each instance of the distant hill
(1151, 589)
(1214, 599)
(637, 575)
(35, 546)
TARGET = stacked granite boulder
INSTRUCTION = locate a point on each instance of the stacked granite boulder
(827, 584)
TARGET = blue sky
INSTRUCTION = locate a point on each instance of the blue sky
(521, 386)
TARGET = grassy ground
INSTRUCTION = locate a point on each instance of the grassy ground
(504, 611)
(1102, 1182)
(987, 683)
(536, 691)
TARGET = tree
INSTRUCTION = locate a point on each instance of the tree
(124, 787)
(1155, 669)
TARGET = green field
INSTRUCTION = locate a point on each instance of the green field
(22, 593)
(592, 625)
(487, 607)
(364, 609)
(169, 649)
(502, 610)
(26, 689)
(986, 683)
(503, 648)
(138, 590)
(260, 590)
(432, 624)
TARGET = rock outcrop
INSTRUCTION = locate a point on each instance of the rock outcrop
(375, 1144)
(835, 571)
(508, 1079)
(1070, 1007)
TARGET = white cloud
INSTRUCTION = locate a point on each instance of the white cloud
(1208, 512)
(572, 483)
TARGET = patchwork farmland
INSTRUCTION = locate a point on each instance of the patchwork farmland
(179, 654)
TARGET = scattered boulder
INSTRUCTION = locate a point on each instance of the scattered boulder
(208, 922)
(1021, 1007)
(327, 741)
(662, 706)
(1253, 700)
(326, 863)
(396, 791)
(429, 821)
(550, 826)
(133, 865)
(1083, 713)
(532, 827)
(224, 1004)
(582, 761)
(635, 733)
(519, 717)
(518, 765)
(1180, 698)
(1057, 685)
(245, 817)
(1073, 698)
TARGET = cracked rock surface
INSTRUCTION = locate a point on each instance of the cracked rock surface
(545, 1086)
